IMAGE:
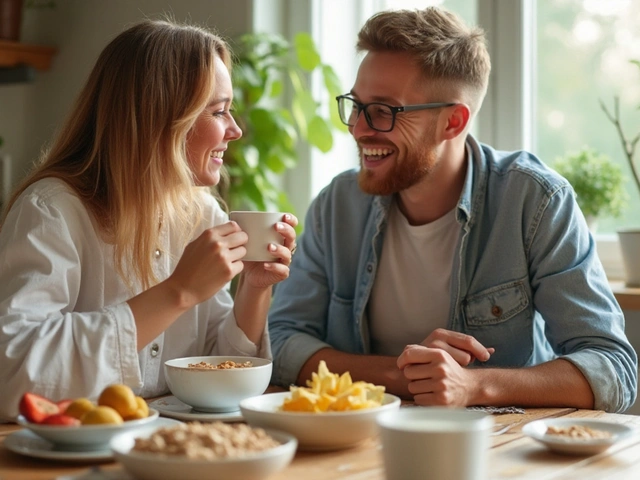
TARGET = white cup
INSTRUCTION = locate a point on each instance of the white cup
(260, 227)
(435, 442)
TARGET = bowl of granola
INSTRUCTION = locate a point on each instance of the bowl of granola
(194, 450)
(217, 384)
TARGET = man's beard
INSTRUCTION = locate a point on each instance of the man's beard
(405, 173)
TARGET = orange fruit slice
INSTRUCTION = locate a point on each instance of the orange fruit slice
(79, 407)
(141, 412)
(101, 415)
(119, 397)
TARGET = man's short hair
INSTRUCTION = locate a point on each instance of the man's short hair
(449, 52)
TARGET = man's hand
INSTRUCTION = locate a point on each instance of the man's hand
(435, 377)
(463, 348)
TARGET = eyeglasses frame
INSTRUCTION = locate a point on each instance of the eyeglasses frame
(362, 107)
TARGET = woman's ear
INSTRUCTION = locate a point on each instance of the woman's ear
(457, 120)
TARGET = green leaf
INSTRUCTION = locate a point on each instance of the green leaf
(331, 81)
(320, 134)
(251, 156)
(277, 88)
(306, 52)
(306, 104)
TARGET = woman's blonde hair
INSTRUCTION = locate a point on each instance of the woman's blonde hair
(122, 148)
(449, 52)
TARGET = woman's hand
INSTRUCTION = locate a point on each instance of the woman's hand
(210, 262)
(265, 274)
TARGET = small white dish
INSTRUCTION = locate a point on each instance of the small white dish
(153, 466)
(84, 437)
(27, 443)
(316, 431)
(172, 407)
(567, 445)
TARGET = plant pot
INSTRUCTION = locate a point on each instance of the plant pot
(630, 249)
(10, 19)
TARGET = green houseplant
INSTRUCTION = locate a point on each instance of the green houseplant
(276, 110)
(597, 180)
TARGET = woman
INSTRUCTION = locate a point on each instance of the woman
(113, 257)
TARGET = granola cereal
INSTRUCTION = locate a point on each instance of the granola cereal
(227, 364)
(578, 432)
(207, 441)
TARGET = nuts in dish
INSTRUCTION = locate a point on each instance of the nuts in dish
(201, 441)
(330, 392)
(226, 365)
(577, 432)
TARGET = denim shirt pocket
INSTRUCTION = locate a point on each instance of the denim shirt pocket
(501, 317)
(341, 328)
(496, 305)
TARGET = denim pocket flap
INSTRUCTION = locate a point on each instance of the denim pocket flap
(497, 304)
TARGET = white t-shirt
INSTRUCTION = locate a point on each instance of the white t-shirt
(66, 329)
(411, 292)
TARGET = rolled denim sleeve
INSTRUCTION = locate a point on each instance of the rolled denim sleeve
(583, 321)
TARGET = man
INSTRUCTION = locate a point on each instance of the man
(447, 271)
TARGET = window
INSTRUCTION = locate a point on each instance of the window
(584, 51)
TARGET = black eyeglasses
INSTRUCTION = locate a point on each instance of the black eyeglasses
(379, 116)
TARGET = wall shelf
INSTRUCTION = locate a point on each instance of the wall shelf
(14, 54)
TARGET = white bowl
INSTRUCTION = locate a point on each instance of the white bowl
(85, 437)
(152, 466)
(315, 431)
(572, 446)
(216, 390)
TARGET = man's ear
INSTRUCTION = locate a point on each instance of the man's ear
(456, 121)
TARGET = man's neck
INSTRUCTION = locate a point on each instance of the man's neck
(439, 192)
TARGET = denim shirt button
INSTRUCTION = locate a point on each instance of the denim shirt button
(369, 268)
(496, 311)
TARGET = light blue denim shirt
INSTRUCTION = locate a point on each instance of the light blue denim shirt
(526, 277)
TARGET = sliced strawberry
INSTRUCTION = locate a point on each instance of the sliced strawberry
(36, 408)
(61, 419)
(63, 404)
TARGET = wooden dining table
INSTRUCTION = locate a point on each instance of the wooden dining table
(512, 456)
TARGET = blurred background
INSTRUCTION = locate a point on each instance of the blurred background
(554, 62)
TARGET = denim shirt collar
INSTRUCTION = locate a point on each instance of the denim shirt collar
(472, 194)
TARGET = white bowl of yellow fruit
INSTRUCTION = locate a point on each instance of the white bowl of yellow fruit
(85, 425)
(331, 413)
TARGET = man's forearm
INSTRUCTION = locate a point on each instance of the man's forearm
(557, 383)
(376, 369)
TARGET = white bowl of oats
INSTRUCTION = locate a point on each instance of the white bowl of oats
(217, 384)
(194, 451)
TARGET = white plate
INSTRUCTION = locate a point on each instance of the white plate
(172, 407)
(28, 443)
(150, 466)
(561, 444)
(85, 437)
(316, 431)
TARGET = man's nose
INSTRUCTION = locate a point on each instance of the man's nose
(361, 126)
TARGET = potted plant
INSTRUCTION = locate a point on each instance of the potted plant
(629, 238)
(276, 110)
(598, 182)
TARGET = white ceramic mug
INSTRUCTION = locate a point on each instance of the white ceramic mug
(260, 227)
(435, 442)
